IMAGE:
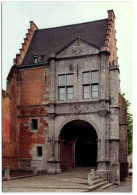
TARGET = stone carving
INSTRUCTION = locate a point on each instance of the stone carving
(103, 104)
(103, 112)
(77, 108)
(77, 49)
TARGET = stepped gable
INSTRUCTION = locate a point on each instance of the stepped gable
(110, 40)
(19, 57)
(48, 41)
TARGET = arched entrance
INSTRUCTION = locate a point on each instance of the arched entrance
(78, 146)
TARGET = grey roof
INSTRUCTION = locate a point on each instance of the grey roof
(48, 41)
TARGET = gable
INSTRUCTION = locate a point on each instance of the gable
(78, 47)
(48, 41)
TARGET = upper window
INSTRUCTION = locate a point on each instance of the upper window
(65, 87)
(90, 85)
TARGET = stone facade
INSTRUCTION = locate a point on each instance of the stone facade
(41, 120)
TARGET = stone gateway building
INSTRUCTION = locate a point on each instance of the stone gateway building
(65, 106)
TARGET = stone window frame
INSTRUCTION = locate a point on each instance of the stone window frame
(33, 152)
(30, 125)
(65, 87)
(90, 84)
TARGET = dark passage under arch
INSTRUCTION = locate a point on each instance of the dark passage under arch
(78, 147)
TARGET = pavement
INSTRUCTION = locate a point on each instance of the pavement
(72, 180)
(121, 188)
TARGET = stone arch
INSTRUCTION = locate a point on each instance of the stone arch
(77, 153)
(64, 122)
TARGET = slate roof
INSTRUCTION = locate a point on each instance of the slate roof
(51, 40)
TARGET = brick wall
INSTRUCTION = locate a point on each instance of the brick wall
(5, 117)
(123, 143)
(33, 90)
(9, 153)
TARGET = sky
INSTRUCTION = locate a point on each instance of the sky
(46, 14)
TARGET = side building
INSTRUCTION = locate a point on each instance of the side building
(65, 96)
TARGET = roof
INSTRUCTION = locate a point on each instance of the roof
(49, 41)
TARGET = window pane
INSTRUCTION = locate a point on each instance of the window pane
(94, 91)
(62, 93)
(70, 96)
(86, 90)
(61, 97)
(62, 80)
(70, 79)
(69, 89)
(69, 93)
(86, 95)
(94, 87)
(86, 78)
(94, 94)
(94, 77)
(62, 90)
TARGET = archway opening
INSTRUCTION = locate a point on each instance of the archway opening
(78, 146)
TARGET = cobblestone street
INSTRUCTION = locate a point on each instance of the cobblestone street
(70, 181)
(73, 180)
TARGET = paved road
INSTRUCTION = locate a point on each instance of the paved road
(124, 188)
(73, 180)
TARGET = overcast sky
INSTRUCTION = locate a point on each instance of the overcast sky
(16, 17)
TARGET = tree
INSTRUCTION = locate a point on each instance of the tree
(129, 125)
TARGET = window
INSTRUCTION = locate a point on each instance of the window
(35, 59)
(39, 151)
(34, 124)
(61, 93)
(90, 84)
(65, 87)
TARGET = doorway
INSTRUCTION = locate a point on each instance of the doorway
(78, 146)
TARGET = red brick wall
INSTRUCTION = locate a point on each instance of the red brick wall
(5, 117)
(29, 91)
(111, 41)
(9, 155)
(32, 87)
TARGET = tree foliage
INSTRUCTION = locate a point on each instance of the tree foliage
(129, 125)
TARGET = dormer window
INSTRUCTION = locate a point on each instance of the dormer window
(35, 59)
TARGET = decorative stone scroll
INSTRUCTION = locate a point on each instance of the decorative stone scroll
(77, 108)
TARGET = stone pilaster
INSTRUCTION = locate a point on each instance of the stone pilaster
(102, 162)
(51, 114)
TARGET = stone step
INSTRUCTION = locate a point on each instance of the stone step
(107, 186)
(96, 186)
(97, 181)
(97, 177)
